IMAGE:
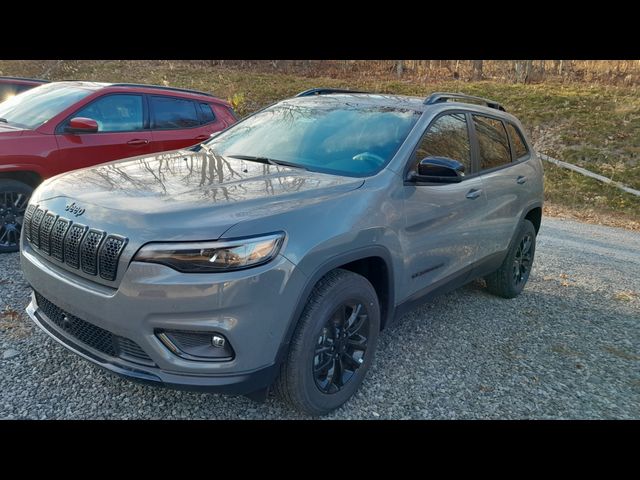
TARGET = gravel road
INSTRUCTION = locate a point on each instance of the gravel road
(568, 347)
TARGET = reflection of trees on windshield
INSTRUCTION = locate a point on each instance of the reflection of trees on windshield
(329, 134)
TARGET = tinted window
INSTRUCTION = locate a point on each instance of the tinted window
(493, 142)
(448, 137)
(115, 113)
(322, 134)
(32, 108)
(519, 147)
(170, 112)
(207, 113)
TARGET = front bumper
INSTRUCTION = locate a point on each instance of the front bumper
(251, 308)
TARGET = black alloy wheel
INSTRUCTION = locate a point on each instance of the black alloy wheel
(523, 260)
(341, 347)
(14, 197)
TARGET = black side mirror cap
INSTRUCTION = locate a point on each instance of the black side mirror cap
(438, 170)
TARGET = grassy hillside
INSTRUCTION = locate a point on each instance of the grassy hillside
(597, 127)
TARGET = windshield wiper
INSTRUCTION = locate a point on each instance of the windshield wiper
(4, 120)
(268, 160)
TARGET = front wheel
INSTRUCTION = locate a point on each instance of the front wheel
(333, 345)
(509, 280)
(14, 197)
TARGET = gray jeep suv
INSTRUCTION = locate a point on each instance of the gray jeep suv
(275, 252)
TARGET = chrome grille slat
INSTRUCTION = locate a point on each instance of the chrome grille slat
(93, 251)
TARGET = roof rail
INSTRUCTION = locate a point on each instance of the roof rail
(25, 78)
(160, 87)
(325, 91)
(441, 97)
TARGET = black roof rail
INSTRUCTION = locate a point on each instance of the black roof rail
(25, 78)
(160, 87)
(325, 91)
(441, 97)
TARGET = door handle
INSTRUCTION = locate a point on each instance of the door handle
(521, 179)
(138, 141)
(201, 138)
(473, 193)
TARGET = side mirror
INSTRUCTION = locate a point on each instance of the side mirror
(82, 125)
(438, 170)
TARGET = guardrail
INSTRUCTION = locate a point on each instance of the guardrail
(589, 174)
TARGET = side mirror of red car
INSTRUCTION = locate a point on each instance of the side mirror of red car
(82, 125)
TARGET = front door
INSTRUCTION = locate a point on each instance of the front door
(440, 237)
(121, 133)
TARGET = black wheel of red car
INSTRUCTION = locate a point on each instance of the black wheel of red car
(14, 197)
(333, 345)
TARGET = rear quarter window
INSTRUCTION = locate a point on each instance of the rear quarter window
(517, 141)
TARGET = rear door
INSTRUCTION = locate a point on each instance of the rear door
(122, 132)
(504, 168)
(179, 122)
(440, 237)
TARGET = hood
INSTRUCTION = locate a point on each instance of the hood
(184, 195)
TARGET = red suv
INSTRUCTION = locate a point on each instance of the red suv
(62, 126)
(10, 86)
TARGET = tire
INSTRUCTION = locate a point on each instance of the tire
(303, 382)
(14, 197)
(507, 282)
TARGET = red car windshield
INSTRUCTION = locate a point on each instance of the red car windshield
(32, 108)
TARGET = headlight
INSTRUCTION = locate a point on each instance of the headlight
(214, 256)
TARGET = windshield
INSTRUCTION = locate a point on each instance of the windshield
(327, 136)
(32, 108)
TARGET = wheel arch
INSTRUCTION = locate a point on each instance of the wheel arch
(373, 262)
(29, 177)
(533, 213)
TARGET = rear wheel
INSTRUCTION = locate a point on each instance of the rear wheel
(333, 345)
(509, 280)
(14, 197)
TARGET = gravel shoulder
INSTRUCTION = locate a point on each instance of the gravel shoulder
(568, 347)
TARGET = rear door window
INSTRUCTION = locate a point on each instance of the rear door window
(493, 142)
(173, 113)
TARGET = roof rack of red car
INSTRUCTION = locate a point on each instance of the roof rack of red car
(325, 91)
(160, 87)
(40, 80)
(441, 97)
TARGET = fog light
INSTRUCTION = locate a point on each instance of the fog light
(198, 346)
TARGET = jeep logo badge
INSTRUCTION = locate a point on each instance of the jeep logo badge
(74, 209)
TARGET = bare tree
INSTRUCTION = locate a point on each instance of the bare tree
(477, 70)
